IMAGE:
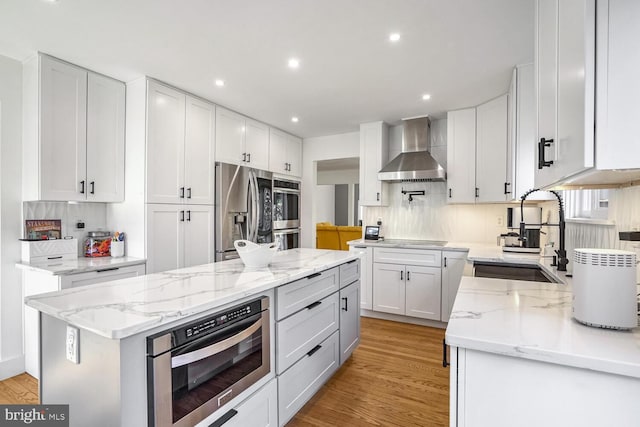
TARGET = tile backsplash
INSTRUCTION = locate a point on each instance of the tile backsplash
(94, 216)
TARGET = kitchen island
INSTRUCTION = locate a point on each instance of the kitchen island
(108, 385)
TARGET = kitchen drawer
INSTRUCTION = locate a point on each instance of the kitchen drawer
(45, 261)
(349, 272)
(104, 275)
(299, 294)
(298, 384)
(46, 250)
(258, 410)
(422, 257)
(299, 333)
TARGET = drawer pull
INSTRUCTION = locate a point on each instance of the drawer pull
(445, 362)
(346, 304)
(352, 261)
(314, 275)
(314, 304)
(223, 419)
(54, 257)
(108, 269)
(313, 350)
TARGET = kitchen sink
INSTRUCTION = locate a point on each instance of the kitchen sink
(512, 271)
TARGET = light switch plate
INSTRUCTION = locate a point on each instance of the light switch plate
(72, 344)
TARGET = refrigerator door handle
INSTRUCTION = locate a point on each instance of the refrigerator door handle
(256, 208)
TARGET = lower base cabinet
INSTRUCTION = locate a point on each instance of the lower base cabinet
(304, 379)
(349, 320)
(259, 410)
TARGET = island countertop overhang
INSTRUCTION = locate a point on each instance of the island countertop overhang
(126, 307)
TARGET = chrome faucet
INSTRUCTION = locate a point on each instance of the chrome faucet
(562, 259)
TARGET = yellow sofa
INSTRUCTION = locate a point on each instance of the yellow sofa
(330, 236)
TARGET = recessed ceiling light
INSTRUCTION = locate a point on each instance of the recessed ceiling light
(394, 37)
(219, 82)
(426, 97)
(294, 63)
(294, 119)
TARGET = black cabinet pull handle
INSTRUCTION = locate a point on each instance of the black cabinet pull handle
(81, 187)
(477, 192)
(244, 157)
(353, 260)
(506, 184)
(346, 304)
(314, 275)
(313, 350)
(54, 257)
(445, 363)
(248, 157)
(93, 187)
(313, 304)
(401, 275)
(182, 192)
(108, 269)
(181, 216)
(377, 197)
(445, 262)
(223, 419)
(449, 193)
(188, 215)
(189, 193)
(542, 163)
(408, 276)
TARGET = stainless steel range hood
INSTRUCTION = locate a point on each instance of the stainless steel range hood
(415, 163)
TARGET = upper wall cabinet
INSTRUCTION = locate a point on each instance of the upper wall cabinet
(374, 154)
(477, 153)
(571, 76)
(73, 147)
(180, 147)
(240, 140)
(285, 153)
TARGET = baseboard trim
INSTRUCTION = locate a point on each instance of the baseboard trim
(403, 319)
(11, 367)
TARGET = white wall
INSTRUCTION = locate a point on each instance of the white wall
(11, 354)
(340, 146)
(325, 203)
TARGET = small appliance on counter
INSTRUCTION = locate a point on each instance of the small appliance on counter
(604, 288)
(530, 241)
(49, 250)
(97, 244)
(372, 232)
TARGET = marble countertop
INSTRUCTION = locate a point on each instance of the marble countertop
(412, 244)
(122, 308)
(79, 265)
(532, 320)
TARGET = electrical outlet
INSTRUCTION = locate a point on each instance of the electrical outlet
(499, 221)
(72, 345)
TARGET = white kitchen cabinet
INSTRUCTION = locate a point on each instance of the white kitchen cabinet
(240, 140)
(491, 150)
(389, 288)
(349, 320)
(180, 163)
(258, 410)
(73, 133)
(38, 282)
(461, 156)
(374, 154)
(423, 288)
(285, 153)
(453, 263)
(366, 278)
(178, 236)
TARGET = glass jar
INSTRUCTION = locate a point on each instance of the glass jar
(97, 244)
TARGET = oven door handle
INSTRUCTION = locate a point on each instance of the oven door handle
(285, 191)
(203, 353)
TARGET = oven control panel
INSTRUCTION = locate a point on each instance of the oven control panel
(211, 323)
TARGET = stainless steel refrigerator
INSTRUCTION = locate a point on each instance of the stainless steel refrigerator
(243, 207)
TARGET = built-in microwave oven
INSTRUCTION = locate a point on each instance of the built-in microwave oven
(286, 204)
(194, 369)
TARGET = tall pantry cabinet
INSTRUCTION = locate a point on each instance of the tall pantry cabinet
(169, 178)
(73, 133)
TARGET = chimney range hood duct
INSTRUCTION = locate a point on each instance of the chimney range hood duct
(415, 163)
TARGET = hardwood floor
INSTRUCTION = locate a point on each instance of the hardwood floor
(394, 378)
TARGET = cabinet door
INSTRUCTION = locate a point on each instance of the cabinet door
(230, 130)
(510, 179)
(366, 280)
(63, 131)
(461, 156)
(388, 288)
(349, 320)
(491, 150)
(199, 163)
(374, 153)
(278, 162)
(452, 269)
(198, 235)
(294, 155)
(105, 139)
(423, 292)
(257, 144)
(259, 410)
(165, 237)
(165, 144)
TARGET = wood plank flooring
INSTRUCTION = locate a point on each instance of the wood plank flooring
(394, 378)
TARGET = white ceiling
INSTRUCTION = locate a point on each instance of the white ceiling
(459, 51)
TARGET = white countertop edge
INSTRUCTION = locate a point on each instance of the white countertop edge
(75, 266)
